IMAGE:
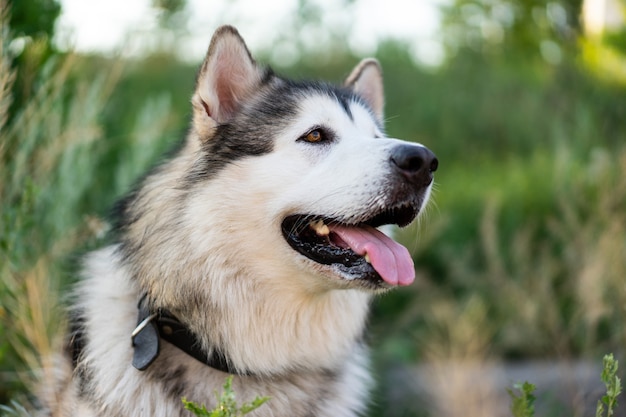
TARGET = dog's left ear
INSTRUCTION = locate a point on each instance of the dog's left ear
(228, 76)
(366, 79)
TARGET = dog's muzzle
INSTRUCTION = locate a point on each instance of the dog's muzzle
(353, 247)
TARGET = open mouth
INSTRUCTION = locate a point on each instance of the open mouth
(356, 250)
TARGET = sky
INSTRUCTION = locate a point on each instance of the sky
(125, 25)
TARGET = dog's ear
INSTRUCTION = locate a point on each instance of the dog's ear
(366, 79)
(227, 77)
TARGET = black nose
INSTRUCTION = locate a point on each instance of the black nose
(416, 163)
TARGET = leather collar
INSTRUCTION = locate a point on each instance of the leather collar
(161, 324)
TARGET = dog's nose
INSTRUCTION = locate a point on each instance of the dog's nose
(416, 163)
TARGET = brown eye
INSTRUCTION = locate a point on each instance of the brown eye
(314, 136)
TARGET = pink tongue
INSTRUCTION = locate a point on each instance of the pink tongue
(390, 259)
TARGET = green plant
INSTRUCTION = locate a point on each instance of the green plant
(613, 386)
(226, 404)
(522, 405)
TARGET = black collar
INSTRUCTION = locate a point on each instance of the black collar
(161, 324)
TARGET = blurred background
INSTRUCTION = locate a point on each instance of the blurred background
(521, 258)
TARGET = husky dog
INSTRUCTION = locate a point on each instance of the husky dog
(253, 251)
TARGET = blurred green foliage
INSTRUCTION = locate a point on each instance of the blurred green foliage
(508, 27)
(529, 215)
(32, 29)
(34, 18)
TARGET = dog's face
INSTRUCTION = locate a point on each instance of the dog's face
(339, 178)
(304, 173)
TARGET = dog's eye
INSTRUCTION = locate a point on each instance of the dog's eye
(318, 135)
(314, 136)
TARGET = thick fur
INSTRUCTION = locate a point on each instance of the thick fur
(201, 236)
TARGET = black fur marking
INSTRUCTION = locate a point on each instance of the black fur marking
(76, 339)
(74, 348)
(324, 393)
(345, 103)
(84, 377)
(172, 381)
(121, 212)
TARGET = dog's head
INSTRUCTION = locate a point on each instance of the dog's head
(319, 165)
(289, 180)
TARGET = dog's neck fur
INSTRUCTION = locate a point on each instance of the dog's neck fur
(270, 338)
(109, 294)
(293, 339)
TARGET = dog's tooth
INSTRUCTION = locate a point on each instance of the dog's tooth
(367, 258)
(320, 228)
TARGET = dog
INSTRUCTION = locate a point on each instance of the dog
(253, 251)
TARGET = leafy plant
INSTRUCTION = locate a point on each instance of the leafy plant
(226, 404)
(613, 386)
(522, 405)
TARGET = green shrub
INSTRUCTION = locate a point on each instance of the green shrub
(226, 404)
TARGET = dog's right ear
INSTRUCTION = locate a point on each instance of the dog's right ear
(366, 79)
(228, 76)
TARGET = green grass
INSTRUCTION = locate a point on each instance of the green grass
(53, 155)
